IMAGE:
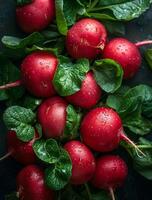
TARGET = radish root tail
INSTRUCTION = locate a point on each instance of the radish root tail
(142, 43)
(6, 156)
(11, 85)
(112, 193)
(126, 139)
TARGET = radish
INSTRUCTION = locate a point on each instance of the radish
(102, 130)
(111, 172)
(86, 39)
(37, 72)
(126, 54)
(83, 162)
(31, 184)
(88, 95)
(52, 116)
(36, 15)
(20, 151)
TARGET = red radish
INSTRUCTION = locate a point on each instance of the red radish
(83, 162)
(37, 72)
(31, 184)
(52, 116)
(111, 172)
(36, 15)
(86, 39)
(126, 54)
(88, 95)
(20, 151)
(102, 130)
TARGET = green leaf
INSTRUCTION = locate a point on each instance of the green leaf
(69, 76)
(108, 74)
(38, 128)
(69, 193)
(17, 48)
(23, 2)
(142, 164)
(144, 93)
(31, 102)
(102, 16)
(9, 73)
(112, 2)
(71, 9)
(12, 196)
(136, 123)
(39, 48)
(115, 27)
(148, 56)
(84, 3)
(135, 108)
(58, 175)
(72, 123)
(47, 150)
(60, 18)
(101, 195)
(20, 120)
(18, 43)
(129, 10)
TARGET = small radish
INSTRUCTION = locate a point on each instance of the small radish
(86, 39)
(88, 95)
(20, 151)
(35, 16)
(52, 116)
(102, 130)
(83, 162)
(111, 172)
(126, 54)
(31, 184)
(37, 72)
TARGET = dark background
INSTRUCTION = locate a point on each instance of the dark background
(136, 187)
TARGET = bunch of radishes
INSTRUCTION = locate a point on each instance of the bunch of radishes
(100, 129)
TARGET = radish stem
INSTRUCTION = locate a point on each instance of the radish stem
(142, 43)
(126, 139)
(6, 156)
(88, 191)
(11, 85)
(112, 193)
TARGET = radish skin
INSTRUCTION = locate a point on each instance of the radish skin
(35, 16)
(37, 73)
(86, 39)
(52, 116)
(102, 130)
(83, 162)
(20, 151)
(31, 184)
(88, 95)
(111, 172)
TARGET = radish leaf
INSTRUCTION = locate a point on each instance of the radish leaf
(20, 120)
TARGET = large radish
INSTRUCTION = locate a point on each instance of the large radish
(111, 172)
(36, 15)
(86, 39)
(89, 94)
(52, 116)
(31, 184)
(102, 130)
(20, 151)
(37, 72)
(126, 54)
(83, 162)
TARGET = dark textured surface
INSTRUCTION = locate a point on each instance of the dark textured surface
(137, 188)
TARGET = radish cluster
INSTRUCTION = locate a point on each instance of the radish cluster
(101, 129)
